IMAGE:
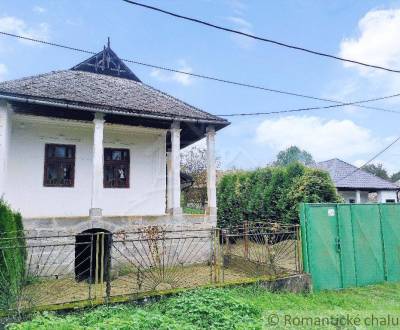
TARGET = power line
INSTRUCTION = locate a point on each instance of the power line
(371, 160)
(252, 36)
(338, 103)
(312, 108)
(201, 76)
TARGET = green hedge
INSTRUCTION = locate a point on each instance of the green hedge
(12, 255)
(271, 194)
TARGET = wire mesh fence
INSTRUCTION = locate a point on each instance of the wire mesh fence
(96, 266)
(260, 250)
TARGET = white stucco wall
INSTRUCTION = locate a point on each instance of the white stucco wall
(24, 184)
(347, 195)
(383, 196)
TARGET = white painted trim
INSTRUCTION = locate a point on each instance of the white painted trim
(98, 160)
(49, 120)
(5, 135)
(88, 124)
(211, 171)
(175, 206)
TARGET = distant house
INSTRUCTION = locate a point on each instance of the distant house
(356, 186)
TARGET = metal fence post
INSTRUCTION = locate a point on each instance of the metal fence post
(216, 255)
(298, 254)
(108, 266)
(90, 280)
(246, 239)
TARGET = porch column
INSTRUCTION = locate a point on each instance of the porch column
(358, 196)
(5, 132)
(169, 181)
(97, 180)
(175, 170)
(211, 172)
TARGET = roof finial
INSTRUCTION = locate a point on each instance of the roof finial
(108, 42)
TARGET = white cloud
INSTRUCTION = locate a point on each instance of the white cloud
(378, 41)
(39, 10)
(3, 71)
(180, 78)
(18, 26)
(323, 138)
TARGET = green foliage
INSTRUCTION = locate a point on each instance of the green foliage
(271, 194)
(377, 170)
(200, 309)
(12, 255)
(313, 186)
(395, 177)
(293, 154)
(211, 309)
(230, 308)
(191, 210)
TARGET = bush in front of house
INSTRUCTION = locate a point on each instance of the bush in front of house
(12, 255)
(271, 194)
(192, 310)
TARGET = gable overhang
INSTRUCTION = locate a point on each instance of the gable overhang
(192, 129)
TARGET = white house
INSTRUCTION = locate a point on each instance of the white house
(94, 147)
(356, 185)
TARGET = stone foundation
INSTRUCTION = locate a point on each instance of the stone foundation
(51, 244)
(75, 225)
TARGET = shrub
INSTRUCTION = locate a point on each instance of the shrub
(194, 310)
(211, 309)
(12, 255)
(271, 194)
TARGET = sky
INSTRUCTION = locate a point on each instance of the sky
(365, 30)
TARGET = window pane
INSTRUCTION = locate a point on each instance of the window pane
(109, 177)
(52, 174)
(66, 174)
(117, 155)
(60, 152)
(59, 165)
(122, 173)
(116, 168)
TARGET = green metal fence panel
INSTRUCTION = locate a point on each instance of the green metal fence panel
(304, 252)
(346, 245)
(390, 222)
(368, 245)
(322, 245)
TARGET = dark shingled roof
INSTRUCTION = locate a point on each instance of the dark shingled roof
(343, 176)
(104, 82)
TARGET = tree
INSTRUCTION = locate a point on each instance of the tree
(314, 186)
(293, 154)
(271, 194)
(194, 163)
(395, 177)
(377, 170)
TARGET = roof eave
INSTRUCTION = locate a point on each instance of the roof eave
(93, 108)
(365, 188)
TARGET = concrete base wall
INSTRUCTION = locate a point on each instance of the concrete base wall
(299, 283)
(51, 241)
(76, 225)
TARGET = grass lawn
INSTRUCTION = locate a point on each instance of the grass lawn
(190, 210)
(241, 308)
